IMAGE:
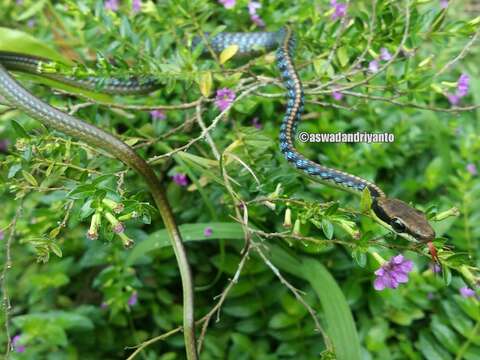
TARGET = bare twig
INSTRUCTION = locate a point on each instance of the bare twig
(4, 277)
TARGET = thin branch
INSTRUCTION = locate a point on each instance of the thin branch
(4, 278)
(216, 309)
(297, 295)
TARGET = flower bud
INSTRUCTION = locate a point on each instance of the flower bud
(287, 221)
(92, 233)
(112, 205)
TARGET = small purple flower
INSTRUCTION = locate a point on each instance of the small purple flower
(136, 6)
(373, 66)
(472, 169)
(228, 4)
(466, 292)
(385, 54)
(18, 348)
(31, 23)
(257, 20)
(208, 231)
(103, 305)
(111, 5)
(158, 115)
(337, 95)
(256, 123)
(453, 99)
(224, 98)
(463, 85)
(435, 268)
(133, 299)
(340, 9)
(2, 235)
(393, 273)
(180, 179)
(443, 4)
(252, 10)
(19, 2)
(118, 228)
(430, 296)
(4, 145)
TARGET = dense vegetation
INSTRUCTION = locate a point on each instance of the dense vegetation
(287, 255)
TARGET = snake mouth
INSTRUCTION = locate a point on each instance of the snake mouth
(403, 219)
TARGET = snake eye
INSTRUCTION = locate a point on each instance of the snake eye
(397, 225)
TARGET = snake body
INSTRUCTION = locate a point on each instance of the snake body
(393, 213)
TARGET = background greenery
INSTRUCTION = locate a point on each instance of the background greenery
(73, 298)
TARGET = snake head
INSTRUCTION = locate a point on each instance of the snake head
(403, 219)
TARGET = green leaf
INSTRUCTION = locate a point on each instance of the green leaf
(56, 249)
(446, 336)
(340, 325)
(327, 228)
(228, 53)
(281, 320)
(18, 41)
(336, 312)
(342, 55)
(190, 232)
(19, 129)
(366, 201)
(205, 83)
(32, 10)
(29, 177)
(13, 170)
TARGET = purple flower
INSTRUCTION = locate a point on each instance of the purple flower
(180, 179)
(339, 9)
(111, 5)
(133, 299)
(252, 10)
(466, 292)
(373, 66)
(337, 95)
(435, 268)
(136, 5)
(158, 115)
(472, 169)
(31, 23)
(19, 2)
(443, 4)
(257, 20)
(393, 273)
(118, 228)
(2, 235)
(208, 231)
(385, 54)
(463, 85)
(4, 145)
(227, 3)
(103, 305)
(224, 98)
(18, 348)
(453, 99)
(256, 123)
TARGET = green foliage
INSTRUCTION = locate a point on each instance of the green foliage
(72, 297)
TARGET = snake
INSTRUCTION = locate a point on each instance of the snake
(394, 214)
